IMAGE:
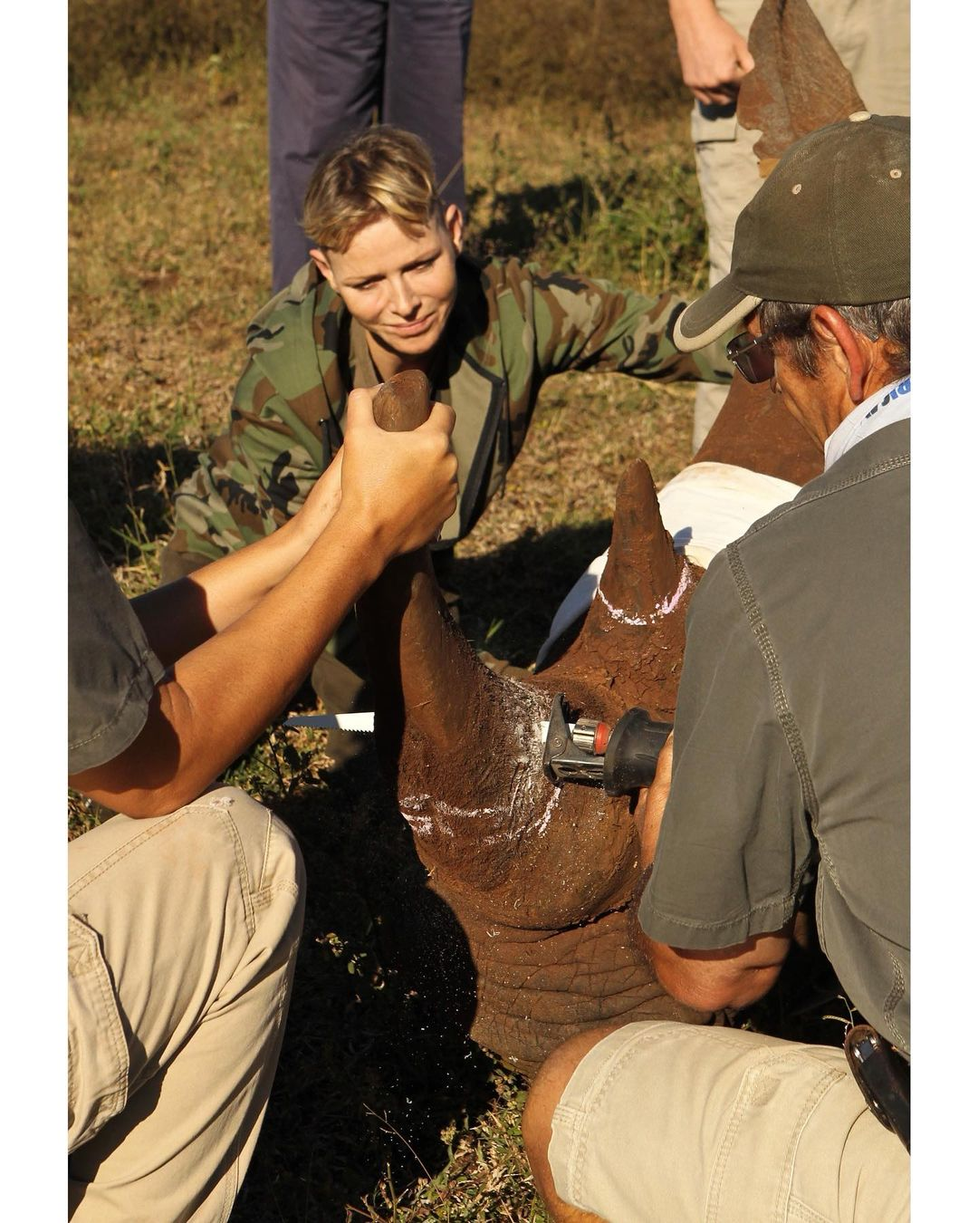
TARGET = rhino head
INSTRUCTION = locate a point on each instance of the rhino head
(540, 879)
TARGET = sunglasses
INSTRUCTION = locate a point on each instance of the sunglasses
(753, 355)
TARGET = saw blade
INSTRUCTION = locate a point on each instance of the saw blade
(362, 723)
(543, 729)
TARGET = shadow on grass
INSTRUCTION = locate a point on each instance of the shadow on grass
(376, 1062)
(509, 595)
(521, 221)
(109, 484)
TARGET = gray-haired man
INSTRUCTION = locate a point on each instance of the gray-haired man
(791, 758)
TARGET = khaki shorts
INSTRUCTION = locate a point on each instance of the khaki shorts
(663, 1121)
(182, 937)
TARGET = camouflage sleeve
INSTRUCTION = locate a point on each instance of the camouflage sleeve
(253, 477)
(584, 324)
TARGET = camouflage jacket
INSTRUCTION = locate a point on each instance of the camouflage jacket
(512, 326)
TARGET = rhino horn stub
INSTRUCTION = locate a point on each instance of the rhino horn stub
(642, 569)
(443, 681)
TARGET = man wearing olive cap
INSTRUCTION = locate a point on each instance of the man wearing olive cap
(790, 763)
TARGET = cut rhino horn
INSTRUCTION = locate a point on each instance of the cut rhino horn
(420, 662)
(404, 402)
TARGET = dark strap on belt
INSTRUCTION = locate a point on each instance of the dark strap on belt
(883, 1077)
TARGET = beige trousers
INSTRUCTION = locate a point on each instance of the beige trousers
(872, 38)
(668, 1123)
(182, 937)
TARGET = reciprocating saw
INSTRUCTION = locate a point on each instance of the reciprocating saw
(621, 758)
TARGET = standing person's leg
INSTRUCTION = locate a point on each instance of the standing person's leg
(183, 933)
(872, 38)
(424, 81)
(726, 169)
(325, 67)
(728, 178)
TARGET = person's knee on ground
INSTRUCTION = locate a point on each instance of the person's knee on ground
(670, 1121)
(543, 1098)
(184, 931)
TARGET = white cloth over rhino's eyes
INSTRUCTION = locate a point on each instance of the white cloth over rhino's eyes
(704, 508)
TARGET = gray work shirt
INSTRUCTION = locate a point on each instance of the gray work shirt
(792, 735)
(112, 672)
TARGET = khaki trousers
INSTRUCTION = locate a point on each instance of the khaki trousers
(668, 1123)
(182, 937)
(872, 38)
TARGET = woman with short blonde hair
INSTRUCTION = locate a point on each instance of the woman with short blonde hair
(384, 171)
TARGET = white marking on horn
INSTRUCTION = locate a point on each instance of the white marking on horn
(416, 802)
(421, 824)
(544, 821)
(617, 613)
(429, 816)
(661, 609)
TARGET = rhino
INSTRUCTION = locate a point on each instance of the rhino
(541, 880)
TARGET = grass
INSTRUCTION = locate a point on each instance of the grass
(382, 1108)
(589, 56)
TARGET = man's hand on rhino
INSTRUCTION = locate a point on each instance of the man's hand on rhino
(713, 56)
(400, 486)
(651, 804)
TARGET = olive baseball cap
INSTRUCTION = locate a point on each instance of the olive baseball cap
(830, 225)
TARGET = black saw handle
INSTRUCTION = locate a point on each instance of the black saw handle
(633, 752)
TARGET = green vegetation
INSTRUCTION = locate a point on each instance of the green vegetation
(577, 155)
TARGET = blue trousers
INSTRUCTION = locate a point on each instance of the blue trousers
(332, 64)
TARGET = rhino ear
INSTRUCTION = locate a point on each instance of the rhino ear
(642, 568)
(791, 49)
